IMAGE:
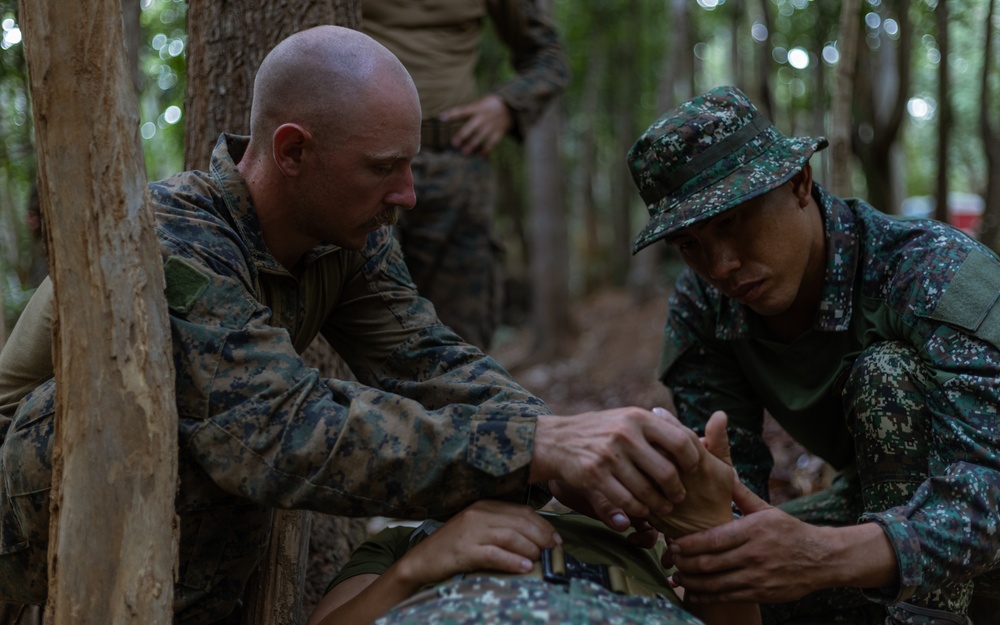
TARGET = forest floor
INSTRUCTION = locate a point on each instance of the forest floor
(612, 362)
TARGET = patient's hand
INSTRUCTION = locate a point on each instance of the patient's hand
(709, 489)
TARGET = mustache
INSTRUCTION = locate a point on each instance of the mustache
(388, 217)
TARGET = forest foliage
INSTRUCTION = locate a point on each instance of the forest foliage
(631, 59)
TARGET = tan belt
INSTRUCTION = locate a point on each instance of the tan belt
(437, 135)
(558, 567)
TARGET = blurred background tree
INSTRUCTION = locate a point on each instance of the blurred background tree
(924, 86)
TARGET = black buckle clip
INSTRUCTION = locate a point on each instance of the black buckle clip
(559, 567)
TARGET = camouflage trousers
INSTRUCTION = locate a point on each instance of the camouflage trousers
(528, 601)
(222, 537)
(448, 244)
(892, 429)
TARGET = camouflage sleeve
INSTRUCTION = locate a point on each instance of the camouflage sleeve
(704, 377)
(266, 427)
(537, 55)
(950, 529)
(26, 357)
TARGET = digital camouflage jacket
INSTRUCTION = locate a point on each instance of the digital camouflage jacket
(917, 282)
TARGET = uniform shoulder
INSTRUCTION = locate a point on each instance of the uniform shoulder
(911, 264)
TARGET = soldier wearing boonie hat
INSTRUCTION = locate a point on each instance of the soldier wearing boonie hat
(890, 372)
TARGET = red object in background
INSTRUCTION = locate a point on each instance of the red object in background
(965, 210)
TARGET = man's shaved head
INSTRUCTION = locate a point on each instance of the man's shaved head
(320, 78)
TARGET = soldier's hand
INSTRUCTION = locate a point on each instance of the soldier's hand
(631, 456)
(487, 120)
(596, 505)
(487, 535)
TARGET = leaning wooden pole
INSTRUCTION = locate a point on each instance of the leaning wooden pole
(112, 551)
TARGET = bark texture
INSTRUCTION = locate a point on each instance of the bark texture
(115, 453)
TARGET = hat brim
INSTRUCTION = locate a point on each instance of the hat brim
(773, 168)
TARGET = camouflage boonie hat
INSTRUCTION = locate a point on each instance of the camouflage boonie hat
(708, 155)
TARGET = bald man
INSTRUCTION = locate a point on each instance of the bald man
(281, 240)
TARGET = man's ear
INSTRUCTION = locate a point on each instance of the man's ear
(802, 184)
(287, 146)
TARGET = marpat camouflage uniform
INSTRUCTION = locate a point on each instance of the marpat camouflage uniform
(447, 240)
(432, 425)
(899, 377)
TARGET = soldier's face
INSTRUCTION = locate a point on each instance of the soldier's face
(361, 180)
(767, 253)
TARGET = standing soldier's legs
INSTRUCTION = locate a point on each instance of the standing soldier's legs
(448, 246)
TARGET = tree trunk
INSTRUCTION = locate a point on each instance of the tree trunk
(3, 323)
(818, 93)
(989, 228)
(112, 544)
(677, 84)
(944, 113)
(882, 90)
(133, 41)
(623, 193)
(227, 41)
(277, 596)
(765, 64)
(843, 95)
(593, 265)
(675, 87)
(549, 238)
(737, 18)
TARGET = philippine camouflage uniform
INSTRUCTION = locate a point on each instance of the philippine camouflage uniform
(526, 601)
(897, 383)
(481, 597)
(431, 425)
(447, 240)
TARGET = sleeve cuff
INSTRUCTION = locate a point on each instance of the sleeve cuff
(501, 444)
(907, 547)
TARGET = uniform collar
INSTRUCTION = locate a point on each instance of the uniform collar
(229, 149)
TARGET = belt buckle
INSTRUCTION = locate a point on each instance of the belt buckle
(559, 567)
(554, 566)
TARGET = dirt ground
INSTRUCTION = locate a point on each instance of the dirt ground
(612, 362)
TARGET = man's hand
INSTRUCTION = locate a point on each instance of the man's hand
(597, 506)
(630, 456)
(769, 556)
(487, 120)
(488, 535)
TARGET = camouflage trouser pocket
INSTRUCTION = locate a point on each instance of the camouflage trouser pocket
(26, 467)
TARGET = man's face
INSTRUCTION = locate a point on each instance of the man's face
(767, 253)
(358, 181)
